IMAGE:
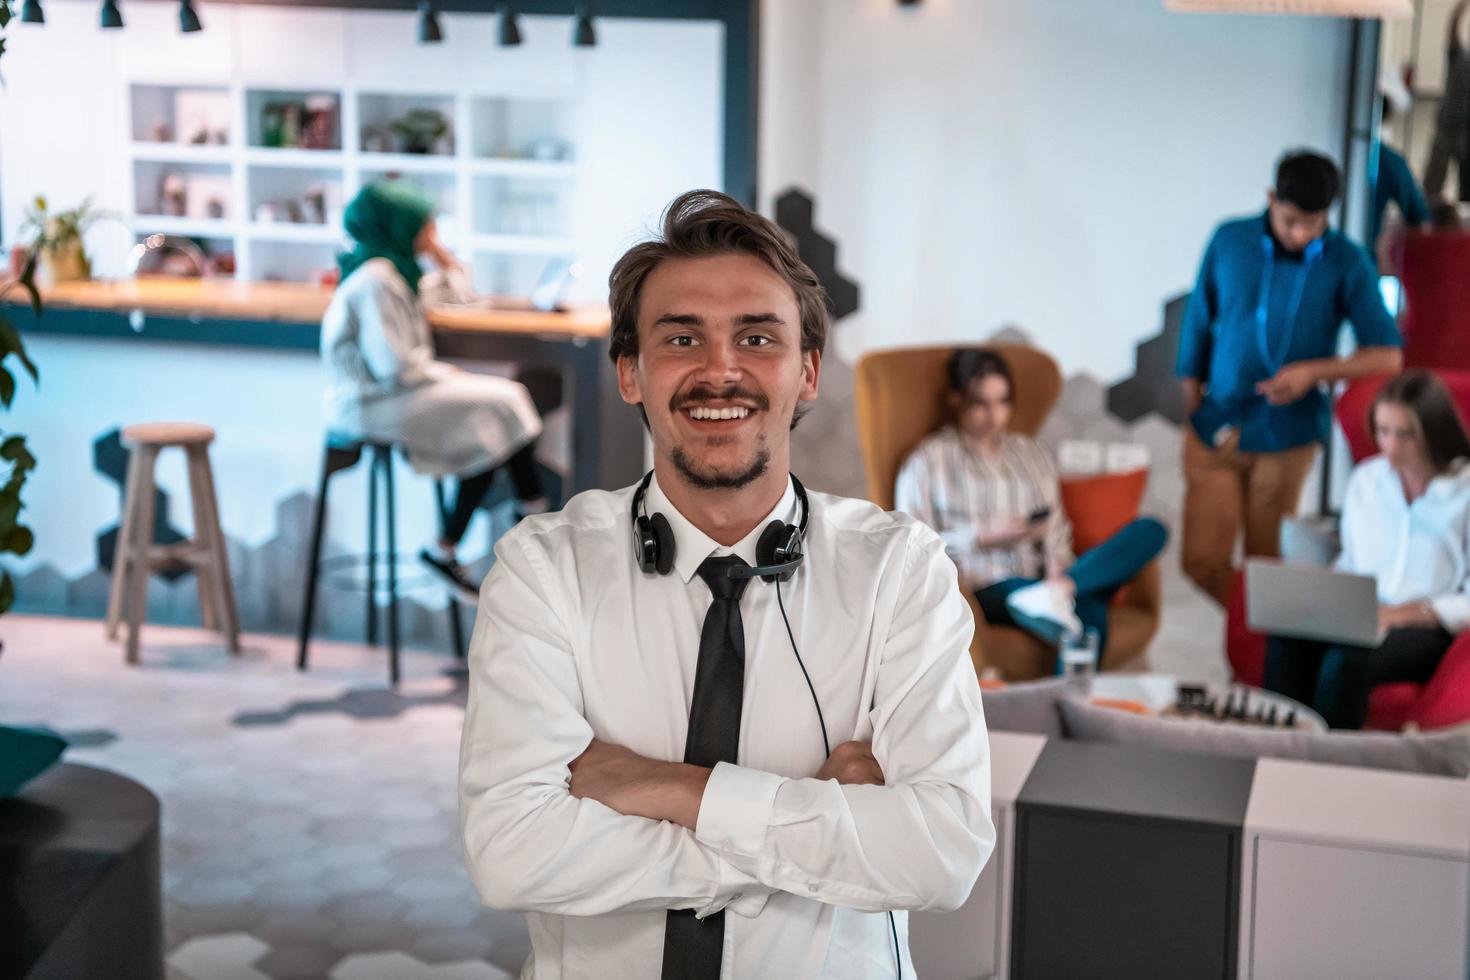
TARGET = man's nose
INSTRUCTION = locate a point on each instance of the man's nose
(721, 361)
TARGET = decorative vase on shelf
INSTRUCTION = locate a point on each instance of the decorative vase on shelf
(64, 261)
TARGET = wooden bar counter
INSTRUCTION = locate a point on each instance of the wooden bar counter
(606, 438)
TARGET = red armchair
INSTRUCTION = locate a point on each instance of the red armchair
(1442, 702)
(1436, 279)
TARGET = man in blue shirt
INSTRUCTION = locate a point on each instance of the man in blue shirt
(1257, 347)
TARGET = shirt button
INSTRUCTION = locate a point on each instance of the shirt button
(812, 887)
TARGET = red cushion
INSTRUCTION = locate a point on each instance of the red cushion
(1390, 705)
(1436, 278)
(1446, 698)
(1245, 650)
(1357, 398)
(1099, 506)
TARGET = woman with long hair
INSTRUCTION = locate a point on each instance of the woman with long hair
(994, 497)
(1405, 521)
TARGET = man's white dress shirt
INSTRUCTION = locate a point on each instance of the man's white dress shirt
(573, 642)
(1418, 550)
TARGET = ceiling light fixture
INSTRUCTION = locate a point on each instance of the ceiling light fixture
(111, 16)
(189, 18)
(510, 31)
(429, 30)
(585, 35)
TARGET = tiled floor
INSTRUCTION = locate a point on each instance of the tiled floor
(309, 820)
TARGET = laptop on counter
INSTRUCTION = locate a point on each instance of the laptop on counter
(1311, 603)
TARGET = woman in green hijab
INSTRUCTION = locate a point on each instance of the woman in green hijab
(384, 383)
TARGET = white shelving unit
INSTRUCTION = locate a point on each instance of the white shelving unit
(503, 178)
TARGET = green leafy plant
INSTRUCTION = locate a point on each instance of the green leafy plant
(5, 14)
(16, 460)
(420, 129)
(60, 232)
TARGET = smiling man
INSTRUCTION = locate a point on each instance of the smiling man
(720, 726)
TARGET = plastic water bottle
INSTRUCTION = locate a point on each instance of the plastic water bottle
(1077, 657)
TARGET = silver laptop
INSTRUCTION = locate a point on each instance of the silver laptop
(1311, 603)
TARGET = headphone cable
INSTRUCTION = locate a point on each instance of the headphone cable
(827, 746)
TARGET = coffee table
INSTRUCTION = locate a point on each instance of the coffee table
(1160, 691)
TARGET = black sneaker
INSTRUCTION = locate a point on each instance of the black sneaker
(452, 576)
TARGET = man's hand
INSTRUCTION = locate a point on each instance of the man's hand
(1194, 393)
(1290, 384)
(638, 787)
(852, 763)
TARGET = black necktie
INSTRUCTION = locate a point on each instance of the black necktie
(692, 947)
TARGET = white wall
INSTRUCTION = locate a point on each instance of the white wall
(1052, 164)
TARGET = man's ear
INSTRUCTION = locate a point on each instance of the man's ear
(811, 372)
(628, 385)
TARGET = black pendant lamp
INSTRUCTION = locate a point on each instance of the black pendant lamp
(111, 16)
(510, 31)
(189, 18)
(31, 13)
(585, 36)
(429, 31)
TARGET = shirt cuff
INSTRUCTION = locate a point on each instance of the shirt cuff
(1453, 612)
(736, 809)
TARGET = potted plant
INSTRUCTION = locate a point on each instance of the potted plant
(420, 129)
(58, 239)
(24, 752)
(16, 461)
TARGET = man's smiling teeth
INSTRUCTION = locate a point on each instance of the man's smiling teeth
(736, 412)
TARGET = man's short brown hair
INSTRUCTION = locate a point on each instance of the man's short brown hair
(702, 224)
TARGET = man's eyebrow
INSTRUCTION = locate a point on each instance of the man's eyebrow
(679, 320)
(755, 318)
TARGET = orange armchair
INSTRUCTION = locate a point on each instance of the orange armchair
(900, 399)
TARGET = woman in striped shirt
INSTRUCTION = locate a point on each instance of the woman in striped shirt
(994, 498)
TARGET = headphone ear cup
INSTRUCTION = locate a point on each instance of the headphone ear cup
(779, 542)
(663, 543)
(769, 543)
(647, 544)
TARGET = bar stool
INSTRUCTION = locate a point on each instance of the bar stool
(138, 557)
(343, 454)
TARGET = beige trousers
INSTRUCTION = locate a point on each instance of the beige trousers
(1224, 489)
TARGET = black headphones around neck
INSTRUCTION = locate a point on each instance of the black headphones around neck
(778, 551)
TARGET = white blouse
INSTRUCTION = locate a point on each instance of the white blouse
(1418, 550)
(959, 492)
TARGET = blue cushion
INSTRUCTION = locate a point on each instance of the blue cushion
(25, 753)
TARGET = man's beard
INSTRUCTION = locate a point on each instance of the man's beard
(717, 480)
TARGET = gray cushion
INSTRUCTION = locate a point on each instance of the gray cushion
(1445, 754)
(1028, 706)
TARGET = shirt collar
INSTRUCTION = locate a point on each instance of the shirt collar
(1451, 481)
(1279, 250)
(692, 546)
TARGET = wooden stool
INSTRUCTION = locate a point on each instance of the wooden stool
(137, 557)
